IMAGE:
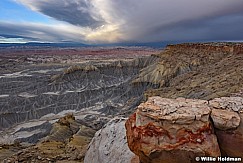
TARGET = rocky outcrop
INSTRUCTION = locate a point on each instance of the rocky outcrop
(227, 114)
(110, 145)
(178, 130)
(224, 119)
(67, 141)
(167, 130)
(201, 71)
(180, 59)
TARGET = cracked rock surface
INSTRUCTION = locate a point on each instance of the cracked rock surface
(178, 130)
(227, 114)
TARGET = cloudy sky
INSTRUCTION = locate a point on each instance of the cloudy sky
(114, 21)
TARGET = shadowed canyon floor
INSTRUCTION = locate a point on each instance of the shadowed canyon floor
(38, 90)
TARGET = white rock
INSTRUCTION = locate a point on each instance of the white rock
(109, 144)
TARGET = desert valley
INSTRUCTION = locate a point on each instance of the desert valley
(54, 101)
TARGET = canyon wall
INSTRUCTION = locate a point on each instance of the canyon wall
(203, 71)
(93, 91)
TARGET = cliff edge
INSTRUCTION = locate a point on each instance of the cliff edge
(202, 71)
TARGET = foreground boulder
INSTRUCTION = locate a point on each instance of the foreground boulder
(110, 145)
(227, 114)
(172, 130)
(178, 130)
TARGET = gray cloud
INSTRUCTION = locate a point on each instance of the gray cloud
(76, 12)
(210, 29)
(136, 20)
(40, 32)
(185, 20)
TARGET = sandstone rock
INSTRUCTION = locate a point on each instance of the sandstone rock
(228, 119)
(171, 130)
(228, 103)
(64, 129)
(110, 145)
(231, 141)
(224, 119)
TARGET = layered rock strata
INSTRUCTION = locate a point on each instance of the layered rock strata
(178, 130)
(33, 99)
(201, 71)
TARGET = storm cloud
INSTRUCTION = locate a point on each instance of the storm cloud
(41, 32)
(134, 20)
(76, 12)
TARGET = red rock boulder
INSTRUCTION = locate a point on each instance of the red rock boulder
(171, 130)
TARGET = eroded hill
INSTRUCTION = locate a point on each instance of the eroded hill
(203, 71)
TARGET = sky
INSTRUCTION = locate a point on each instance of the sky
(119, 21)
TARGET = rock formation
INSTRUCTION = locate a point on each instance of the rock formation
(227, 115)
(68, 140)
(110, 144)
(178, 130)
(202, 71)
(166, 130)
(94, 92)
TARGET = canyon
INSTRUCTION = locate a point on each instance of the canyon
(39, 89)
(52, 105)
